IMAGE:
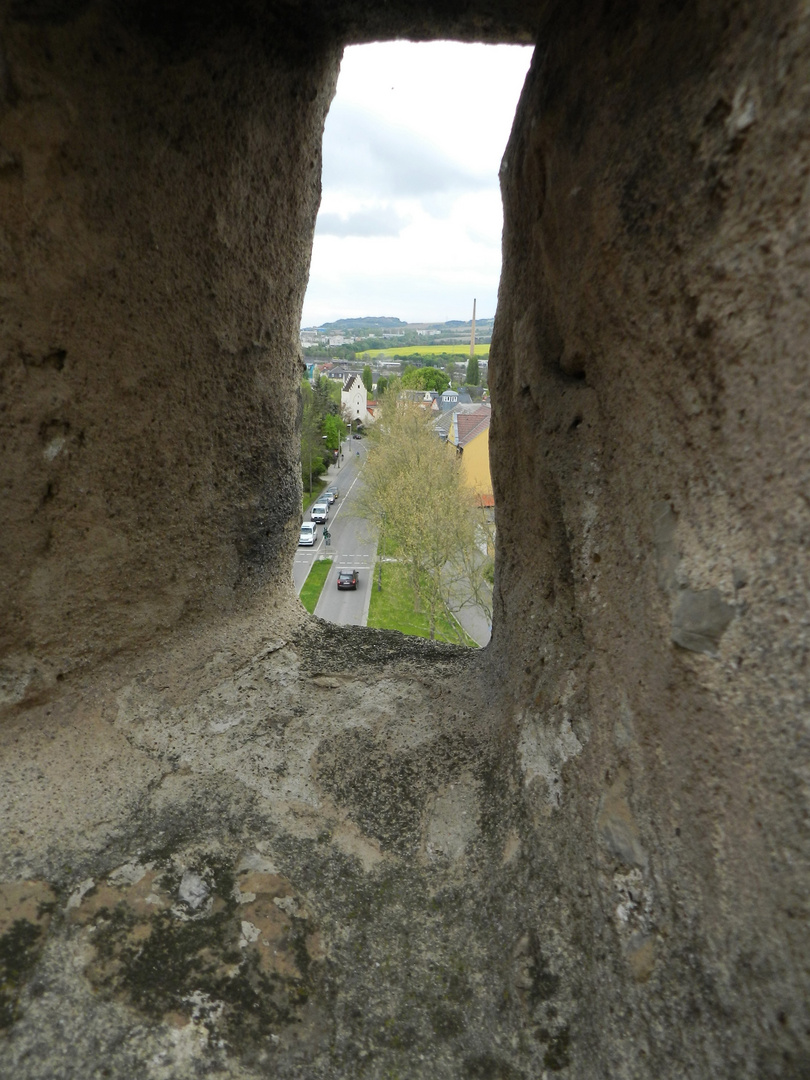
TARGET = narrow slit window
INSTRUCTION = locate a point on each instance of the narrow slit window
(397, 324)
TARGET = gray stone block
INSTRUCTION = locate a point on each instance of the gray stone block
(700, 620)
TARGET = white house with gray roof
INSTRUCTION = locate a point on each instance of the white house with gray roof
(354, 399)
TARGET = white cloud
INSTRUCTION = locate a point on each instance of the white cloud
(364, 153)
(370, 221)
(411, 219)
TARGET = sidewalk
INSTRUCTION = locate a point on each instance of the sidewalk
(475, 624)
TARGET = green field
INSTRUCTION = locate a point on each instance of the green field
(392, 609)
(313, 586)
(424, 350)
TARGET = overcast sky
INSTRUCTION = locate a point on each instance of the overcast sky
(410, 221)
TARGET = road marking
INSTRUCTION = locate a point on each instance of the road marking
(317, 547)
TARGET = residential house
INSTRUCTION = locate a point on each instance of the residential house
(468, 432)
(426, 398)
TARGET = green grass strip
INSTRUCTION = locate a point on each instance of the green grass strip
(313, 586)
(309, 497)
(392, 609)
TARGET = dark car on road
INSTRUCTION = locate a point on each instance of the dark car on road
(347, 579)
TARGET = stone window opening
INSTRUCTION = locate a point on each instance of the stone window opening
(410, 221)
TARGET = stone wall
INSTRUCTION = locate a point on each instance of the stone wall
(238, 840)
(651, 374)
(160, 185)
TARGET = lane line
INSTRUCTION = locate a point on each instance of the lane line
(320, 547)
(317, 547)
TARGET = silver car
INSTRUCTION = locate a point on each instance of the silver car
(309, 534)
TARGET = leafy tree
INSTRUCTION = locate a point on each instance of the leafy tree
(321, 427)
(330, 352)
(368, 380)
(413, 483)
(425, 378)
(312, 462)
(473, 375)
(382, 385)
(335, 431)
(323, 396)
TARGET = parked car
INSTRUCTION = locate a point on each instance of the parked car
(309, 534)
(347, 579)
(331, 493)
(358, 436)
(319, 511)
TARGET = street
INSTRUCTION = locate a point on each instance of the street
(352, 547)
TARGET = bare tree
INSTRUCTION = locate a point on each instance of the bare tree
(470, 572)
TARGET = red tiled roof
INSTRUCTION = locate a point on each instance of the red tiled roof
(472, 424)
(486, 499)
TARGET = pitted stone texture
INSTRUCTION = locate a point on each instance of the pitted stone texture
(154, 252)
(649, 371)
(264, 905)
(633, 895)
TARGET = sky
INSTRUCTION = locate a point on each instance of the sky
(410, 220)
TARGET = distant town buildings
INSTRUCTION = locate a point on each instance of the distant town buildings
(352, 331)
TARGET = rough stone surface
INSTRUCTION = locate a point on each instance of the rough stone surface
(238, 842)
(154, 237)
(650, 376)
(324, 887)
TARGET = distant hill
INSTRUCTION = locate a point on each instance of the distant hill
(367, 322)
(370, 324)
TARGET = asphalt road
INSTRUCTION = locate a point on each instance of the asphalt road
(353, 547)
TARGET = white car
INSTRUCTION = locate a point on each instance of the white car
(309, 534)
(319, 511)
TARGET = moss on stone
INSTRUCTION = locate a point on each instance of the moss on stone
(19, 948)
(177, 963)
(557, 1055)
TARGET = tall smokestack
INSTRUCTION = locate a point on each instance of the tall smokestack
(472, 335)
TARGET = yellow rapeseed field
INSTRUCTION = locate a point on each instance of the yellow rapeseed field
(423, 350)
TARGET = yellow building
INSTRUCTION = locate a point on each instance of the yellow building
(469, 434)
